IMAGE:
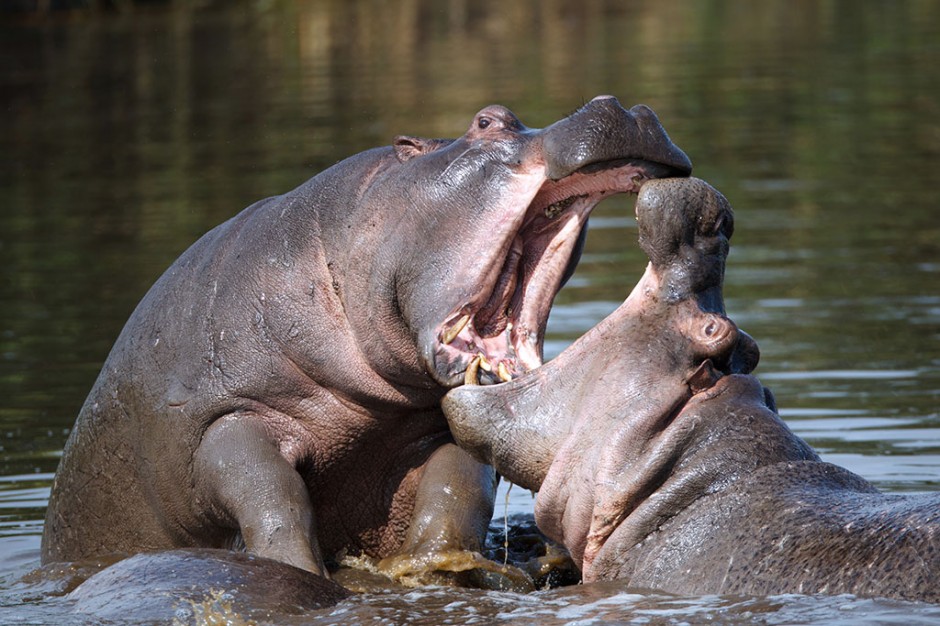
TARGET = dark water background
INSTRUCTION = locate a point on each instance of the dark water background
(126, 135)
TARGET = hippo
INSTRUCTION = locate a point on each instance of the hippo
(278, 388)
(204, 586)
(660, 460)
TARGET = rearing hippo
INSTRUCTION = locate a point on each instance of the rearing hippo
(659, 461)
(280, 384)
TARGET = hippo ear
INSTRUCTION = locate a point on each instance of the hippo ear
(407, 147)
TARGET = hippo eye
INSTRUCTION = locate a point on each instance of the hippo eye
(484, 122)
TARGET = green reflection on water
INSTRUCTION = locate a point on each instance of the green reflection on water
(126, 136)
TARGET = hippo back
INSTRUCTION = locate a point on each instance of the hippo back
(202, 586)
(801, 527)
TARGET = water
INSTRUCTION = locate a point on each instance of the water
(124, 136)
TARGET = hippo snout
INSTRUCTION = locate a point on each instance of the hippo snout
(602, 130)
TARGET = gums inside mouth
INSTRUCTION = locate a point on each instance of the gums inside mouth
(497, 334)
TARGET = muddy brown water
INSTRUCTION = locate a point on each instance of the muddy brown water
(126, 135)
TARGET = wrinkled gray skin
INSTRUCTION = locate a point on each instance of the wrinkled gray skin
(202, 586)
(659, 461)
(279, 386)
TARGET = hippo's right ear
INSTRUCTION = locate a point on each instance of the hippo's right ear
(410, 147)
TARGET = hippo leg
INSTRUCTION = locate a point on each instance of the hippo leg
(242, 477)
(453, 506)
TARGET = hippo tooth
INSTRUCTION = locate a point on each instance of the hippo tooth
(451, 333)
(509, 344)
(553, 210)
(503, 373)
(470, 376)
(484, 364)
(556, 208)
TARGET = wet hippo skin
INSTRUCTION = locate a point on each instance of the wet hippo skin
(659, 460)
(769, 517)
(202, 586)
(279, 386)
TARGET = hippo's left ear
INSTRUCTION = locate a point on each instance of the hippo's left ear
(410, 147)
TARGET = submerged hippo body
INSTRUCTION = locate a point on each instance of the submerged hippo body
(660, 461)
(279, 386)
(202, 586)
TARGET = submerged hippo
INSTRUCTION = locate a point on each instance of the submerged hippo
(659, 461)
(279, 386)
(202, 586)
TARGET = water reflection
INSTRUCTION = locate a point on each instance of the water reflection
(126, 136)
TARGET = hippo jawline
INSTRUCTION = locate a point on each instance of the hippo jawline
(497, 334)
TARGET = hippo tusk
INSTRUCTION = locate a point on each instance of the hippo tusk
(470, 376)
(451, 333)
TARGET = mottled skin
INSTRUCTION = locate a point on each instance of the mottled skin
(279, 386)
(697, 491)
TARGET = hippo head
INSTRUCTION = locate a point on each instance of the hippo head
(585, 429)
(493, 225)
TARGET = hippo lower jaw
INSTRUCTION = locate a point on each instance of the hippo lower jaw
(519, 426)
(498, 333)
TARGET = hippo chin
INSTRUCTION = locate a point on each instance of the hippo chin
(279, 387)
(660, 461)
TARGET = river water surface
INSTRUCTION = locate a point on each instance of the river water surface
(125, 136)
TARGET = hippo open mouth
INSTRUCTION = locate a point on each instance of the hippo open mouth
(566, 428)
(498, 333)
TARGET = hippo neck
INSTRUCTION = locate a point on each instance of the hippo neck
(311, 261)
